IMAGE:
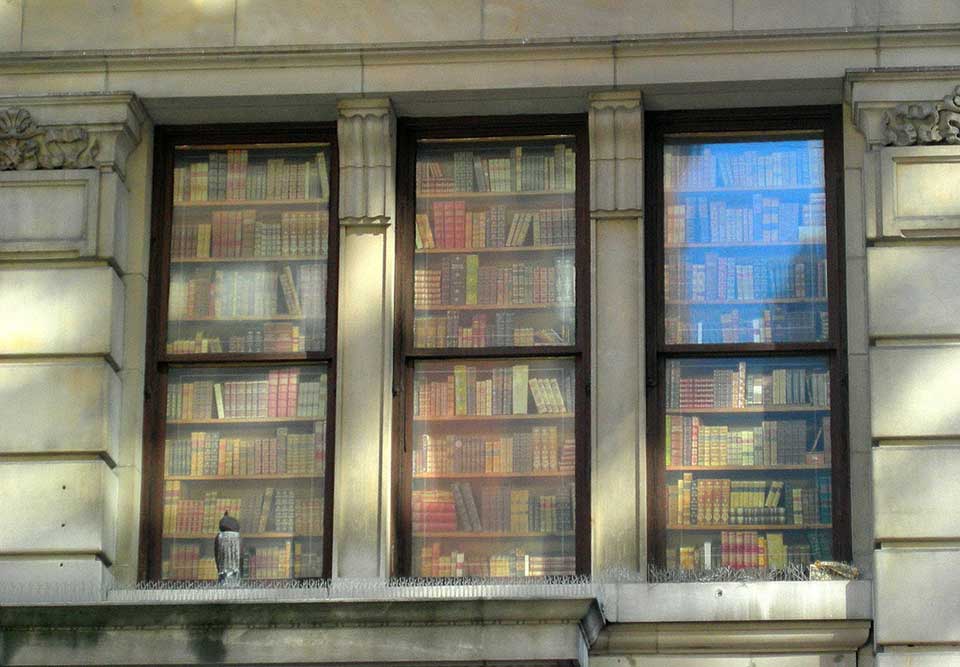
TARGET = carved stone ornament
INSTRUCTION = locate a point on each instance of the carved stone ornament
(924, 123)
(24, 145)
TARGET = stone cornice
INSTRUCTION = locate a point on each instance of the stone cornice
(71, 130)
(765, 637)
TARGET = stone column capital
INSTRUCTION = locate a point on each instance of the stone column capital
(74, 131)
(366, 131)
(616, 154)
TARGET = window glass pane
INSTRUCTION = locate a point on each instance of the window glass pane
(248, 267)
(494, 459)
(250, 442)
(495, 235)
(748, 462)
(745, 240)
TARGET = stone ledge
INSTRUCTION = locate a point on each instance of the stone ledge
(768, 637)
(737, 602)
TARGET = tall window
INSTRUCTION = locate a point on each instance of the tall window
(494, 341)
(747, 423)
(242, 351)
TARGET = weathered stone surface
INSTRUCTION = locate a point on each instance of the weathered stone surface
(513, 19)
(349, 22)
(913, 290)
(65, 579)
(902, 656)
(914, 484)
(754, 602)
(59, 407)
(918, 186)
(616, 153)
(10, 11)
(617, 397)
(916, 12)
(743, 660)
(61, 311)
(913, 391)
(104, 24)
(791, 14)
(916, 594)
(50, 211)
(58, 507)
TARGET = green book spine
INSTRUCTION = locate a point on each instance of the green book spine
(520, 378)
(473, 271)
(667, 430)
(460, 389)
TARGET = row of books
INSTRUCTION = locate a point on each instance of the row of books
(185, 562)
(249, 292)
(266, 337)
(697, 166)
(436, 561)
(690, 442)
(239, 234)
(231, 176)
(267, 510)
(516, 169)
(459, 329)
(541, 449)
(449, 225)
(780, 324)
(461, 280)
(749, 549)
(475, 390)
(707, 387)
(208, 453)
(278, 393)
(712, 501)
(767, 219)
(497, 510)
(730, 279)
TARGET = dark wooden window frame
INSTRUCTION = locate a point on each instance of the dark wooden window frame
(410, 131)
(158, 362)
(828, 120)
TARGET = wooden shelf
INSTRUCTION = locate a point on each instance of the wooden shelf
(759, 189)
(489, 475)
(752, 410)
(497, 306)
(784, 467)
(759, 526)
(745, 302)
(745, 244)
(240, 478)
(482, 251)
(243, 536)
(233, 203)
(483, 418)
(489, 535)
(244, 318)
(248, 260)
(483, 195)
(244, 420)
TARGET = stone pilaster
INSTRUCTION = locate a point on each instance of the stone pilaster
(366, 129)
(616, 210)
(64, 249)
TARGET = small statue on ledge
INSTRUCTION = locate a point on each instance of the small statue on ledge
(226, 550)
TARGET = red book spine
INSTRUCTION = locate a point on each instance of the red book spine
(272, 394)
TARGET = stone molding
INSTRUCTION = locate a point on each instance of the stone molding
(25, 145)
(924, 122)
(616, 154)
(760, 637)
(366, 131)
(85, 130)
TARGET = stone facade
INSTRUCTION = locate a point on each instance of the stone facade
(76, 166)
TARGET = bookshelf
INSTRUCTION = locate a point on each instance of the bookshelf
(241, 358)
(493, 241)
(749, 463)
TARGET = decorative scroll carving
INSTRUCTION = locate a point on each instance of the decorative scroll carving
(24, 145)
(924, 123)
